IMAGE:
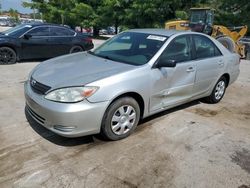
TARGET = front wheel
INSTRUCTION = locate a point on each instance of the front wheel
(7, 56)
(218, 91)
(120, 119)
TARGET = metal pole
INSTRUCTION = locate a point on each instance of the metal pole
(34, 13)
(0, 7)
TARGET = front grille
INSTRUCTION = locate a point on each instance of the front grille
(38, 87)
(35, 116)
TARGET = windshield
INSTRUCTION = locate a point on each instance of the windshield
(18, 30)
(131, 48)
(198, 16)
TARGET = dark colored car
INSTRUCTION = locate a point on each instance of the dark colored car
(40, 41)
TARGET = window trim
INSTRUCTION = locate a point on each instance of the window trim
(49, 26)
(195, 52)
(35, 28)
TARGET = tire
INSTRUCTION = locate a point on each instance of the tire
(7, 56)
(218, 91)
(75, 49)
(227, 42)
(120, 119)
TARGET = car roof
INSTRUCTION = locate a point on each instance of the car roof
(163, 32)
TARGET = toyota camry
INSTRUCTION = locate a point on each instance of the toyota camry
(131, 76)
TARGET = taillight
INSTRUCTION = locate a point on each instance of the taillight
(89, 40)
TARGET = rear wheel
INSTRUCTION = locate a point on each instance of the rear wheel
(7, 56)
(218, 91)
(76, 49)
(120, 119)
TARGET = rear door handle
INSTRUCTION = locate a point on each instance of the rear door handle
(190, 69)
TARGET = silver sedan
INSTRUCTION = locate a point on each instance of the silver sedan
(131, 76)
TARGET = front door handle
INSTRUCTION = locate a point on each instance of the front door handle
(190, 69)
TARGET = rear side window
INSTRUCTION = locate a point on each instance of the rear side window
(61, 31)
(179, 50)
(205, 48)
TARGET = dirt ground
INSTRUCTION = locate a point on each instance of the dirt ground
(194, 145)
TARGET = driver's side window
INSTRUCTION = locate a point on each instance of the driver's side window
(39, 31)
(178, 50)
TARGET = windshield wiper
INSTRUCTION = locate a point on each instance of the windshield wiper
(105, 57)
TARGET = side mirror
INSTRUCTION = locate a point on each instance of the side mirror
(166, 63)
(27, 36)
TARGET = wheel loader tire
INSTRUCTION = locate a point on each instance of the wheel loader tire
(227, 42)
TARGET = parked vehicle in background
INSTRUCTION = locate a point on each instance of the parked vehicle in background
(111, 30)
(4, 21)
(7, 21)
(11, 23)
(29, 20)
(103, 32)
(133, 75)
(40, 41)
(88, 31)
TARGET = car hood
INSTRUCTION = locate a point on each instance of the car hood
(3, 36)
(76, 70)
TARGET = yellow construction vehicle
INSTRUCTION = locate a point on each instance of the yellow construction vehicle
(201, 20)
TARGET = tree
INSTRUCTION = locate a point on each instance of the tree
(233, 13)
(83, 15)
(35, 4)
(150, 13)
(113, 13)
(181, 15)
(69, 12)
(14, 14)
(136, 13)
(56, 11)
(96, 17)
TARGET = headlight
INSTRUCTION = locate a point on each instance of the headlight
(71, 94)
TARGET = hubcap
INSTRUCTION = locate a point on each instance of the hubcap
(219, 90)
(6, 56)
(123, 119)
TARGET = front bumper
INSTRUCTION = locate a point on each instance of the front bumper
(66, 119)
